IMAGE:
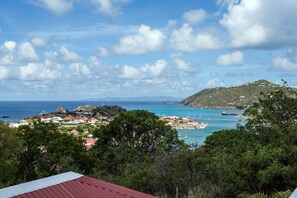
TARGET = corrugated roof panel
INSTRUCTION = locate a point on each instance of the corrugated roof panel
(84, 187)
(37, 184)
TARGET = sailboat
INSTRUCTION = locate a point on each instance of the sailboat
(186, 136)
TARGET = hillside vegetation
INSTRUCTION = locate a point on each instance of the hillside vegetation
(230, 97)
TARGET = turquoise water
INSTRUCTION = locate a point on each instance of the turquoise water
(18, 110)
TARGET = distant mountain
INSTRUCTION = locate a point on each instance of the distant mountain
(230, 97)
(144, 98)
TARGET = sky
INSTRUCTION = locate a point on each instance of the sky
(78, 49)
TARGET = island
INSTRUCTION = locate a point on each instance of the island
(183, 123)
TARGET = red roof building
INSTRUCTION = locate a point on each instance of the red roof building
(70, 185)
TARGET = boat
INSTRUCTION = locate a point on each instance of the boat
(4, 116)
(186, 136)
(226, 113)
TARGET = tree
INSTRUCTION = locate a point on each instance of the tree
(273, 118)
(10, 148)
(273, 123)
(260, 156)
(129, 143)
(47, 152)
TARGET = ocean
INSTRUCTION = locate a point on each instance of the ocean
(17, 110)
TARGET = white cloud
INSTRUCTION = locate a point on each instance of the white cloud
(101, 51)
(34, 71)
(155, 69)
(147, 39)
(283, 63)
(181, 64)
(55, 6)
(145, 72)
(260, 23)
(26, 52)
(194, 16)
(214, 82)
(9, 46)
(226, 3)
(185, 39)
(288, 62)
(171, 23)
(3, 73)
(129, 72)
(64, 55)
(68, 56)
(6, 60)
(38, 42)
(102, 70)
(80, 69)
(108, 7)
(234, 58)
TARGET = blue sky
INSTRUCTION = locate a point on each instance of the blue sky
(76, 49)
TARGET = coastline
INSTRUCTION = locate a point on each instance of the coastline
(19, 110)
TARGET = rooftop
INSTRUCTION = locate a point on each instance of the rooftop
(72, 185)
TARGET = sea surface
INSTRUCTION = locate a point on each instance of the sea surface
(17, 110)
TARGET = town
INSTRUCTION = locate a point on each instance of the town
(183, 123)
(81, 122)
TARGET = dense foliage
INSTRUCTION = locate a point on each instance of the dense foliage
(138, 151)
(127, 147)
(10, 149)
(46, 151)
(37, 151)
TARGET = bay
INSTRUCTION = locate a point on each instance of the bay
(17, 110)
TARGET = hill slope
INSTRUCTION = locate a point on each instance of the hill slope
(230, 97)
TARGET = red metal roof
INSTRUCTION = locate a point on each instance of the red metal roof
(85, 187)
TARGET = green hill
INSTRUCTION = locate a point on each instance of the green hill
(230, 97)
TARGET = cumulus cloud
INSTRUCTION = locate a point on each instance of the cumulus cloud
(9, 46)
(129, 72)
(171, 23)
(38, 42)
(80, 69)
(186, 39)
(108, 7)
(154, 70)
(7, 51)
(55, 6)
(3, 73)
(194, 16)
(254, 23)
(214, 82)
(68, 55)
(101, 51)
(63, 55)
(234, 58)
(102, 70)
(283, 63)
(19, 61)
(147, 39)
(36, 71)
(26, 52)
(182, 64)
(288, 62)
(146, 71)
